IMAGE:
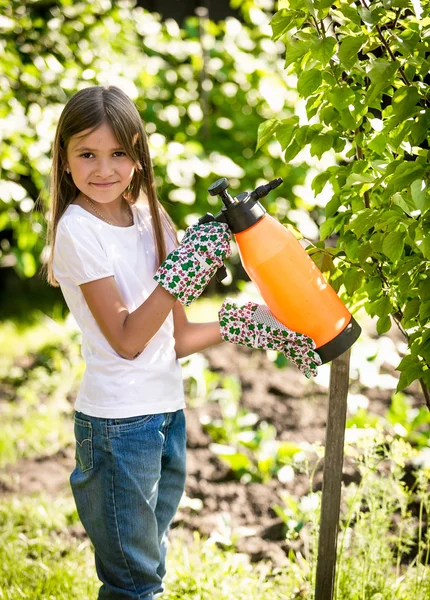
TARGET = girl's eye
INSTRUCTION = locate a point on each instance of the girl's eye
(90, 153)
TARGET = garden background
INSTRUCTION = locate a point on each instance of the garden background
(333, 98)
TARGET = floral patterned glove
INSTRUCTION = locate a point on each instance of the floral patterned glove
(188, 269)
(253, 325)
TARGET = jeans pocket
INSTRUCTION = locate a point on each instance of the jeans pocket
(130, 423)
(84, 444)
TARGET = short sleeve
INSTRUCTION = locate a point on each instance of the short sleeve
(78, 253)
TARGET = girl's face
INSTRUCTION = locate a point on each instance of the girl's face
(99, 165)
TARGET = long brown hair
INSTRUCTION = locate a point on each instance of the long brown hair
(89, 109)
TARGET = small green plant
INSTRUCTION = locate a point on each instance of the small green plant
(37, 372)
(401, 421)
(412, 424)
(384, 543)
(248, 447)
(383, 551)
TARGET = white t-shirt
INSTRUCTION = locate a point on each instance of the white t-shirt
(87, 248)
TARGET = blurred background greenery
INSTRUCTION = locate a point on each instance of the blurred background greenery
(202, 89)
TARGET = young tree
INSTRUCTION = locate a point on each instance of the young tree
(363, 69)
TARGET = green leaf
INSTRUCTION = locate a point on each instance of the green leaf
(371, 17)
(306, 133)
(319, 182)
(327, 227)
(353, 279)
(419, 129)
(295, 49)
(309, 82)
(292, 151)
(410, 311)
(266, 131)
(424, 289)
(425, 311)
(422, 240)
(323, 49)
(378, 143)
(284, 20)
(350, 13)
(320, 144)
(323, 261)
(393, 245)
(349, 48)
(380, 307)
(383, 325)
(313, 104)
(332, 206)
(404, 104)
(286, 130)
(292, 4)
(381, 74)
(373, 287)
(420, 195)
(364, 220)
(405, 173)
(358, 179)
(348, 120)
(341, 97)
(364, 251)
(411, 369)
(405, 202)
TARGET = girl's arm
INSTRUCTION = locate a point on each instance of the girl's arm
(204, 246)
(193, 337)
(127, 333)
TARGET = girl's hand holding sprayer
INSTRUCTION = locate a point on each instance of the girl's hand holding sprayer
(253, 325)
(188, 269)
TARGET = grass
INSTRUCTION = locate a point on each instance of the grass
(43, 559)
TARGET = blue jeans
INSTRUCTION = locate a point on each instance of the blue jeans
(127, 484)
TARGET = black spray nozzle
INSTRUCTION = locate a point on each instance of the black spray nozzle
(263, 190)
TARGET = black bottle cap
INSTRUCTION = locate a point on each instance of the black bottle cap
(244, 213)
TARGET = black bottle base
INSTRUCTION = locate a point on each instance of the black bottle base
(340, 344)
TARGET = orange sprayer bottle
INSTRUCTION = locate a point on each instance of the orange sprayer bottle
(287, 278)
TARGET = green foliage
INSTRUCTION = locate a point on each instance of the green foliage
(363, 71)
(382, 553)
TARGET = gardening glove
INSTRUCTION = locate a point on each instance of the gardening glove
(188, 269)
(253, 325)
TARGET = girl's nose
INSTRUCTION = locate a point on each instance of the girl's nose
(104, 169)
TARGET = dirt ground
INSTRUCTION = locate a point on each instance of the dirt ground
(284, 398)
